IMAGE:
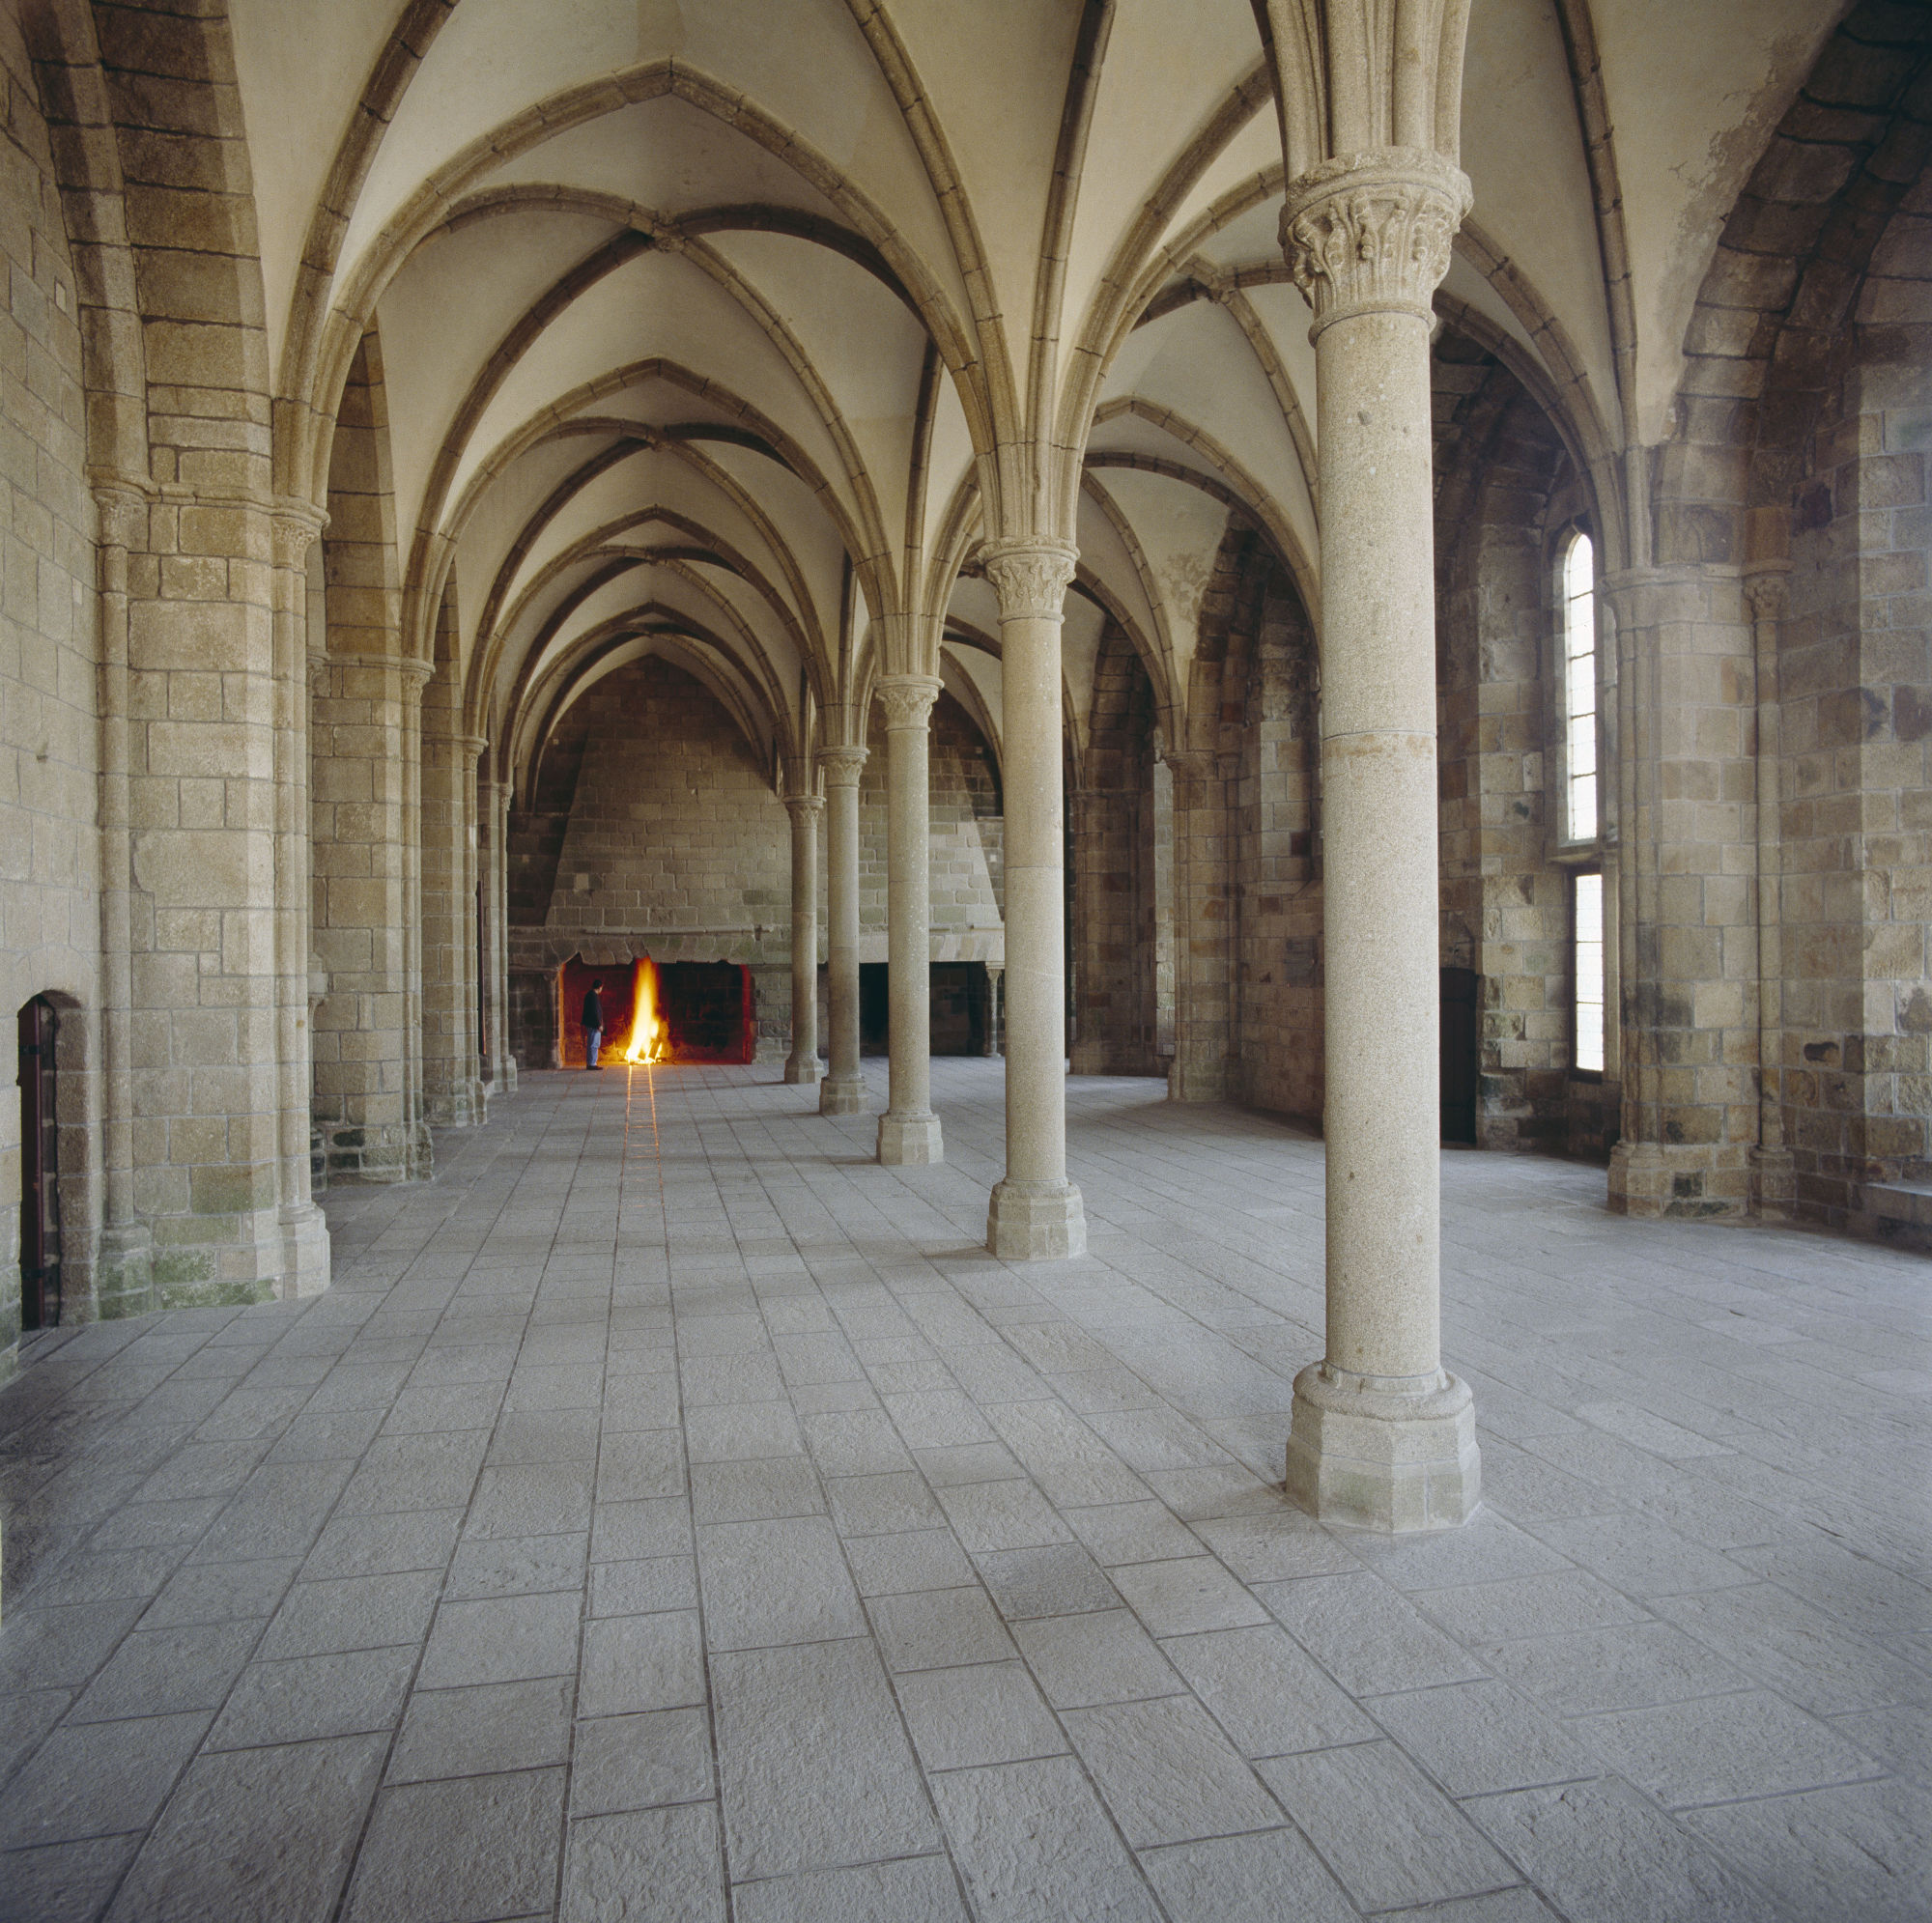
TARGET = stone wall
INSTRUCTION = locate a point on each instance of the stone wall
(49, 739)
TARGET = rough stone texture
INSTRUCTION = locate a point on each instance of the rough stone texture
(425, 1557)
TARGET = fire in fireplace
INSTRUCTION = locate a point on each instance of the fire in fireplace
(659, 1011)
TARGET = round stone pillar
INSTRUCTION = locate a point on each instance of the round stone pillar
(802, 1064)
(1381, 1436)
(1035, 1213)
(842, 1093)
(909, 1130)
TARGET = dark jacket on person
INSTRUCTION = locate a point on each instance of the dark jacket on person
(593, 1010)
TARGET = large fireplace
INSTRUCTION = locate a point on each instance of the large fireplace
(659, 1011)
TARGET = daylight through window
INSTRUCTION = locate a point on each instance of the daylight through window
(1579, 688)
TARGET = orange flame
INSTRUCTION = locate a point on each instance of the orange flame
(650, 1036)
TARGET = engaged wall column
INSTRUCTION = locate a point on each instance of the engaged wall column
(1381, 1436)
(842, 1093)
(909, 1130)
(1035, 1213)
(802, 1064)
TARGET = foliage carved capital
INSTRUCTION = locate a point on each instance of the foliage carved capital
(842, 766)
(907, 700)
(1030, 577)
(1370, 232)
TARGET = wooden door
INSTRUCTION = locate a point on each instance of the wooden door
(40, 1169)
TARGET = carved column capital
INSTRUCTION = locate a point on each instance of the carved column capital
(1370, 232)
(1030, 577)
(1768, 592)
(842, 766)
(804, 807)
(295, 526)
(473, 746)
(908, 699)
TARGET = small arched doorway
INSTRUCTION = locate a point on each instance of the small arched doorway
(40, 1168)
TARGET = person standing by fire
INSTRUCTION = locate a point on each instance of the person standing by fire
(593, 1023)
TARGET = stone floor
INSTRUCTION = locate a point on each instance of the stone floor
(668, 1506)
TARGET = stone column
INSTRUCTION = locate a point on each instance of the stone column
(909, 1131)
(1202, 957)
(1381, 1437)
(842, 1093)
(366, 1082)
(494, 810)
(1035, 1213)
(452, 1084)
(990, 1040)
(305, 1241)
(124, 1262)
(1774, 1179)
(802, 1064)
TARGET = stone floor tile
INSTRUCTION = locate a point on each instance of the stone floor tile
(1261, 1878)
(634, 1663)
(1060, 1580)
(531, 1499)
(221, 1592)
(854, 1442)
(1535, 1605)
(212, 1854)
(755, 1491)
(1602, 1855)
(62, 1647)
(1474, 1738)
(885, 1505)
(1628, 1667)
(774, 1582)
(938, 1628)
(640, 1466)
(353, 1613)
(310, 1697)
(1167, 1772)
(1088, 1660)
(612, 1861)
(1132, 1531)
(640, 1762)
(1182, 1597)
(1640, 1555)
(484, 1729)
(1858, 1850)
(97, 1779)
(814, 1761)
(1899, 1737)
(64, 1882)
(1001, 1516)
(157, 1672)
(897, 1565)
(459, 1851)
(384, 1545)
(622, 1532)
(1364, 1634)
(1034, 1846)
(1266, 1691)
(924, 1887)
(517, 1565)
(1274, 1546)
(736, 1433)
(986, 1713)
(641, 1588)
(1717, 1748)
(1388, 1834)
(504, 1639)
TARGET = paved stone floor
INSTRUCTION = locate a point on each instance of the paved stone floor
(669, 1508)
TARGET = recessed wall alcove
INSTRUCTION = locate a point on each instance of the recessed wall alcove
(706, 1008)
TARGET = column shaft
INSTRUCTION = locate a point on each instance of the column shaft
(842, 1093)
(802, 1064)
(909, 1134)
(1774, 1179)
(1035, 1213)
(1381, 1437)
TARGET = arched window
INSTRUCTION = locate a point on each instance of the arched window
(1579, 631)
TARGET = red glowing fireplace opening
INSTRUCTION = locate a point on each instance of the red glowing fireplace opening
(659, 1011)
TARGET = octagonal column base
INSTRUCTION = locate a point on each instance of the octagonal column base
(804, 1069)
(1390, 1453)
(841, 1095)
(1035, 1222)
(910, 1140)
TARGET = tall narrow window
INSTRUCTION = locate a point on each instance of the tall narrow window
(1587, 998)
(1579, 689)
